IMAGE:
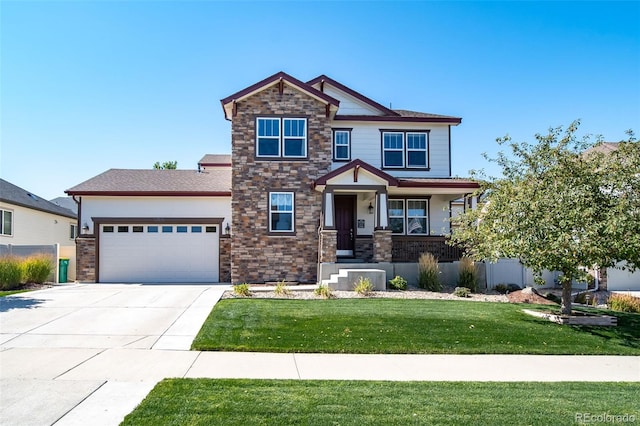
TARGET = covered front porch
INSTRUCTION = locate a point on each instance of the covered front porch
(370, 217)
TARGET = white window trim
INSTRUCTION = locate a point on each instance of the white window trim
(426, 216)
(425, 150)
(282, 137)
(402, 150)
(2, 213)
(335, 145)
(293, 213)
(403, 217)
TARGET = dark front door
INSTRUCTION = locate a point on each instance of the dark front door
(345, 208)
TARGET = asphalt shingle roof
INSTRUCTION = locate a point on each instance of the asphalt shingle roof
(170, 182)
(12, 194)
(215, 159)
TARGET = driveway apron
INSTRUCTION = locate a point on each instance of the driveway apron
(93, 351)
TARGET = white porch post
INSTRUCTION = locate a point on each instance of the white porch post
(381, 206)
(328, 210)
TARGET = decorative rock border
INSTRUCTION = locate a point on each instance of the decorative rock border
(579, 319)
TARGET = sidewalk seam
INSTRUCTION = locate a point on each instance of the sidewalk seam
(79, 402)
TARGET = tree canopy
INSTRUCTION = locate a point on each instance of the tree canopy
(558, 206)
(167, 165)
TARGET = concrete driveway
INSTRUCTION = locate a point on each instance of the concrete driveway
(66, 350)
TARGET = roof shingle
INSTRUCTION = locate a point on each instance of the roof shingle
(12, 194)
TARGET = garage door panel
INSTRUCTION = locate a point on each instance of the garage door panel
(159, 256)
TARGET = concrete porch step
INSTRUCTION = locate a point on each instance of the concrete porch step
(346, 279)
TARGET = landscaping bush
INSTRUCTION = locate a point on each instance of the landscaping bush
(363, 286)
(37, 268)
(323, 291)
(468, 276)
(552, 297)
(513, 287)
(624, 303)
(282, 289)
(428, 272)
(461, 292)
(398, 283)
(501, 288)
(242, 290)
(10, 272)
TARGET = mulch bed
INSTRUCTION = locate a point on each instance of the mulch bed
(520, 297)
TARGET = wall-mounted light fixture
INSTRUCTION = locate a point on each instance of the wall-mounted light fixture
(227, 229)
(85, 228)
(370, 208)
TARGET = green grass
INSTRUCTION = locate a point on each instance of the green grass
(7, 293)
(404, 326)
(296, 402)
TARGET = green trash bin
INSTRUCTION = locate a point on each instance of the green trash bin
(62, 274)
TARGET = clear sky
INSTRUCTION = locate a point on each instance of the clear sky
(88, 86)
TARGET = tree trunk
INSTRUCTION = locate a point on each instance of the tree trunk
(566, 297)
(603, 279)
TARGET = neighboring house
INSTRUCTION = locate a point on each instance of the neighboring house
(67, 203)
(27, 219)
(318, 174)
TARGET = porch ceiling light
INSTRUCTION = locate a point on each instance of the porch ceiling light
(370, 208)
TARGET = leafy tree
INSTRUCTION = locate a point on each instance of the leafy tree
(167, 165)
(559, 208)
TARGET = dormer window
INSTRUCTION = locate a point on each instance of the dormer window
(405, 149)
(281, 137)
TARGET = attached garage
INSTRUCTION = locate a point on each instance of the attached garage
(164, 251)
(155, 226)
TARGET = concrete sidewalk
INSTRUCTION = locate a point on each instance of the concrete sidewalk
(79, 353)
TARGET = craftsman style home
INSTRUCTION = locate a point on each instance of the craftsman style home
(319, 175)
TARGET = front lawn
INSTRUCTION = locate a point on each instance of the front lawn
(10, 292)
(404, 326)
(287, 402)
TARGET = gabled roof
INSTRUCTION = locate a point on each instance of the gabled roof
(135, 182)
(67, 203)
(604, 147)
(322, 79)
(355, 165)
(12, 194)
(213, 160)
(386, 114)
(227, 103)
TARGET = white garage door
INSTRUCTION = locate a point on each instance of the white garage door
(176, 253)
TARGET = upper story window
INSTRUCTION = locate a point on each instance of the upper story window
(6, 222)
(281, 137)
(281, 212)
(409, 217)
(405, 149)
(342, 144)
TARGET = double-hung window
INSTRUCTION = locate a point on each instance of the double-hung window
(281, 212)
(409, 217)
(342, 144)
(405, 149)
(6, 222)
(279, 137)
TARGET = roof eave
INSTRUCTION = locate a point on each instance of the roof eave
(447, 120)
(150, 193)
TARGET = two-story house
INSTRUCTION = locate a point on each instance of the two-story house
(319, 175)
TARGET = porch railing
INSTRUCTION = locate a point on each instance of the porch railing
(409, 249)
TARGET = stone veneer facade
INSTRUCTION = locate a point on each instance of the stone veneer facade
(225, 259)
(257, 256)
(86, 259)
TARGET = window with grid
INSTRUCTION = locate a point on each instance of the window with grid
(393, 150)
(281, 137)
(417, 223)
(341, 145)
(396, 216)
(405, 149)
(281, 212)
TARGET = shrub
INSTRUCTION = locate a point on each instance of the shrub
(624, 303)
(363, 286)
(10, 273)
(242, 290)
(513, 287)
(37, 268)
(501, 288)
(282, 289)
(461, 292)
(467, 277)
(428, 272)
(323, 291)
(552, 297)
(398, 283)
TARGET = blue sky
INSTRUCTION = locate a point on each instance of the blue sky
(88, 86)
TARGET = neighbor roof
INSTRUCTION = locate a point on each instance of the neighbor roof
(604, 147)
(212, 182)
(12, 194)
(215, 160)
